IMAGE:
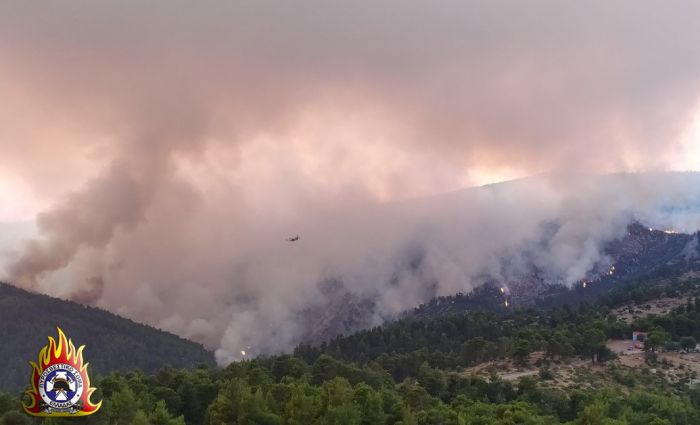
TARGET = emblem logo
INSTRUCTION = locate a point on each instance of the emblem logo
(60, 382)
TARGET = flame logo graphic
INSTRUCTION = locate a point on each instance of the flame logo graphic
(64, 352)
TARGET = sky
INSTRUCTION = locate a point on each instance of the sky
(154, 156)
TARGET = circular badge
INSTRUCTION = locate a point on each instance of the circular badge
(61, 386)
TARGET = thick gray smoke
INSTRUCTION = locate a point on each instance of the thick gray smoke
(232, 281)
(177, 145)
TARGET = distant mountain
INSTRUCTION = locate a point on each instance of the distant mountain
(643, 253)
(521, 283)
(112, 342)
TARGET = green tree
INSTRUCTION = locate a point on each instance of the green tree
(521, 351)
(199, 391)
(140, 418)
(474, 351)
(438, 415)
(324, 369)
(656, 339)
(593, 339)
(337, 402)
(559, 345)
(415, 396)
(255, 411)
(120, 407)
(303, 406)
(287, 365)
(226, 408)
(688, 343)
(161, 416)
(433, 380)
(370, 404)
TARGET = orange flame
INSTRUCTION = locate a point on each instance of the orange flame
(62, 351)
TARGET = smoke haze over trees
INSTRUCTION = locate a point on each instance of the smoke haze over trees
(167, 150)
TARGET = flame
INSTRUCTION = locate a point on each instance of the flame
(62, 351)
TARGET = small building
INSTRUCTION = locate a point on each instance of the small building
(639, 336)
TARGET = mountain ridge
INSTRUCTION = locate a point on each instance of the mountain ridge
(643, 251)
(113, 343)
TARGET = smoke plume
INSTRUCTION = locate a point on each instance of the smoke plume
(174, 147)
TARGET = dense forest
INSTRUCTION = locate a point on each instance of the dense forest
(26, 319)
(412, 372)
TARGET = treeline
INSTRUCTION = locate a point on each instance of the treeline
(286, 390)
(680, 329)
(456, 342)
(410, 372)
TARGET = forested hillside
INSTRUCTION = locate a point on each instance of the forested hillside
(112, 342)
(414, 372)
(453, 341)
